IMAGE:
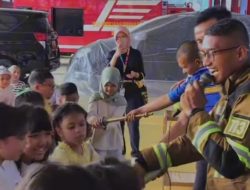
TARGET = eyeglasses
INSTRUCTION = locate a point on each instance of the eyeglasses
(210, 54)
(50, 85)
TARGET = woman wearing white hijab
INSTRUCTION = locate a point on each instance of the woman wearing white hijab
(129, 62)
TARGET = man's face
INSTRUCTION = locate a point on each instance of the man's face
(46, 89)
(221, 56)
(200, 30)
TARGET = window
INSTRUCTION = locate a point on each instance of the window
(68, 22)
(9, 22)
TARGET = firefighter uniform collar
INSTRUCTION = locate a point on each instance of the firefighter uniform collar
(236, 79)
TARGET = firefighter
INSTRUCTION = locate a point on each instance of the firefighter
(222, 138)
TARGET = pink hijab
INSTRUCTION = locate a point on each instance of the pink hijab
(125, 31)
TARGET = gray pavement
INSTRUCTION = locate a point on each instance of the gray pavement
(60, 72)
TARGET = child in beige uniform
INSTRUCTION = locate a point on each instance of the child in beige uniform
(107, 103)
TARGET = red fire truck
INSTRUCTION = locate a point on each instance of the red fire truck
(80, 22)
(6, 3)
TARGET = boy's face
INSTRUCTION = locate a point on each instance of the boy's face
(4, 81)
(110, 89)
(12, 147)
(187, 67)
(69, 98)
(46, 89)
(15, 75)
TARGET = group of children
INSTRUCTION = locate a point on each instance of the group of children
(63, 132)
(34, 131)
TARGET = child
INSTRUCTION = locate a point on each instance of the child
(70, 125)
(42, 81)
(12, 131)
(38, 139)
(115, 174)
(29, 98)
(66, 92)
(190, 63)
(6, 94)
(17, 85)
(107, 103)
(58, 177)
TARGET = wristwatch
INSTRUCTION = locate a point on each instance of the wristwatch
(195, 110)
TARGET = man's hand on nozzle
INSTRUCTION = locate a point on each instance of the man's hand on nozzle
(193, 98)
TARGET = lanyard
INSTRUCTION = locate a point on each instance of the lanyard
(126, 61)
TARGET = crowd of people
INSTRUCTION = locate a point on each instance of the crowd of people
(38, 137)
(48, 141)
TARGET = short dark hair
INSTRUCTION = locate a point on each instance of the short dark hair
(67, 88)
(217, 13)
(65, 110)
(38, 119)
(39, 76)
(230, 28)
(13, 121)
(190, 49)
(54, 176)
(29, 98)
(115, 174)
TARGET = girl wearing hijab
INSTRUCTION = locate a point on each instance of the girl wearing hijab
(107, 103)
(129, 62)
